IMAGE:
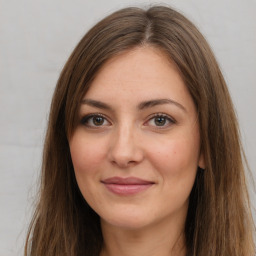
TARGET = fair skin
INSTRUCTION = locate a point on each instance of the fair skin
(136, 151)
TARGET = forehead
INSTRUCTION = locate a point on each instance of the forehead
(139, 74)
(140, 63)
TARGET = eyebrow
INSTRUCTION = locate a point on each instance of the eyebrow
(141, 106)
(156, 102)
(96, 103)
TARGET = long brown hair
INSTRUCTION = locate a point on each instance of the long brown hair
(219, 220)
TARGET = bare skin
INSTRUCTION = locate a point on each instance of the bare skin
(165, 240)
(138, 124)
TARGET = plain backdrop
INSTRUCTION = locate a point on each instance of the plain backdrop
(36, 38)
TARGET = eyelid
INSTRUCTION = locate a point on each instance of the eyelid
(85, 118)
(168, 117)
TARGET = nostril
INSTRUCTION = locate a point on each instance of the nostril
(123, 164)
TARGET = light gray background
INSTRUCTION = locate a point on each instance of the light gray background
(36, 38)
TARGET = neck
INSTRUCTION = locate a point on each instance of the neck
(163, 240)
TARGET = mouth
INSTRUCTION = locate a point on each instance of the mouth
(127, 186)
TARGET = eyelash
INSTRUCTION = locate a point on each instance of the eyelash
(87, 118)
(162, 115)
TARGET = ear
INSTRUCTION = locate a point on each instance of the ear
(201, 161)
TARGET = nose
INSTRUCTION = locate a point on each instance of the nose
(125, 148)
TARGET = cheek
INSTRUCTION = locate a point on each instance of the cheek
(175, 157)
(86, 155)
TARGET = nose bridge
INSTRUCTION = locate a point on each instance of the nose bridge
(124, 148)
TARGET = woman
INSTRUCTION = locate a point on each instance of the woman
(142, 154)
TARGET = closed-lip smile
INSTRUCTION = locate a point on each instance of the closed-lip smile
(126, 186)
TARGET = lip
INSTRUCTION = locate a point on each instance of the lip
(126, 186)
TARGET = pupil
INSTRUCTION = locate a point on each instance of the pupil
(98, 120)
(160, 121)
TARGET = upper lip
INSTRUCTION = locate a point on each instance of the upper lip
(126, 181)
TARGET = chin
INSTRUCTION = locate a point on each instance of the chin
(127, 221)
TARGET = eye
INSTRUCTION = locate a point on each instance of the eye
(160, 121)
(95, 121)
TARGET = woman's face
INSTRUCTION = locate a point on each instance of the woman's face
(137, 146)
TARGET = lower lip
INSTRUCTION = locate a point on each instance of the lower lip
(127, 189)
